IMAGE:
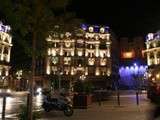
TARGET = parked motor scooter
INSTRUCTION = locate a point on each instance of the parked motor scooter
(61, 103)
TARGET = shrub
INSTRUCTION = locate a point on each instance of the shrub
(83, 87)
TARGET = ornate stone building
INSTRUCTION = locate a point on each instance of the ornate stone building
(152, 53)
(83, 54)
(5, 51)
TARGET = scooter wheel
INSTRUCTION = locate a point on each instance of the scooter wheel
(68, 111)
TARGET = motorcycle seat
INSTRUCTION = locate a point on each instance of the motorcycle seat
(53, 99)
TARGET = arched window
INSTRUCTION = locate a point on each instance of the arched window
(6, 40)
(5, 50)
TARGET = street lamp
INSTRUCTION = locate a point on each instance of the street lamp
(19, 75)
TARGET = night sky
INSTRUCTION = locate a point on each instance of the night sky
(126, 18)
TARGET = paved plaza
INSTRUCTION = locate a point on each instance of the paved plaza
(108, 110)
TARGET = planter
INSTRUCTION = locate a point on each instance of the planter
(82, 101)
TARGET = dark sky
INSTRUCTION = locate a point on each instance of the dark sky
(124, 17)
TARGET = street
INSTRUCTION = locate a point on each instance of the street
(109, 110)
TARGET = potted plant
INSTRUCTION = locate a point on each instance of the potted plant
(82, 97)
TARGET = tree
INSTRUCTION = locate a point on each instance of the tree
(31, 19)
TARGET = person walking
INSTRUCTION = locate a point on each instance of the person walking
(154, 96)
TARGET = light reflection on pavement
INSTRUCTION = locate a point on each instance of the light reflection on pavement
(13, 103)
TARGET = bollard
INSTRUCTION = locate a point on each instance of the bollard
(4, 107)
(28, 95)
(137, 98)
(118, 98)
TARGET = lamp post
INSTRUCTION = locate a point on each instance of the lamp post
(4, 94)
(116, 82)
(60, 73)
(4, 100)
(136, 77)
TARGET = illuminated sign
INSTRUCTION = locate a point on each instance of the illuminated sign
(127, 54)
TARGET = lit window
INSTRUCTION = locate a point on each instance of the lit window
(48, 70)
(91, 61)
(72, 71)
(67, 44)
(54, 60)
(108, 72)
(86, 71)
(102, 54)
(72, 53)
(54, 69)
(67, 60)
(68, 34)
(107, 36)
(55, 45)
(103, 71)
(6, 73)
(97, 72)
(102, 30)
(53, 52)
(96, 37)
(108, 53)
(103, 61)
(49, 51)
(67, 70)
(157, 76)
(150, 36)
(80, 53)
(91, 29)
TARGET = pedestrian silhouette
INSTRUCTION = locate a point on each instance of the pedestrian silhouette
(154, 96)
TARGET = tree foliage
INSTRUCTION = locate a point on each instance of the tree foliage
(28, 17)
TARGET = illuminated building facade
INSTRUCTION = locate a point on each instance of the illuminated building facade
(152, 54)
(132, 63)
(5, 51)
(86, 52)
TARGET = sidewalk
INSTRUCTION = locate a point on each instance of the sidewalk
(109, 110)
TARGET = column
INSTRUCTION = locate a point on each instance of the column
(97, 50)
(155, 57)
(48, 67)
(9, 54)
(108, 51)
(6, 71)
(2, 53)
(148, 59)
(61, 50)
